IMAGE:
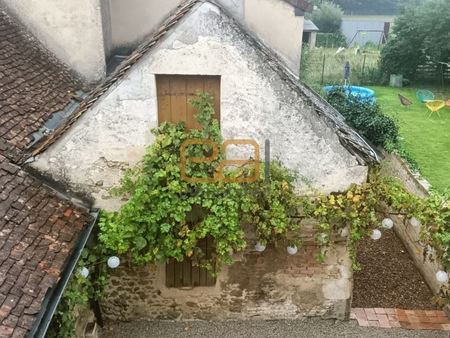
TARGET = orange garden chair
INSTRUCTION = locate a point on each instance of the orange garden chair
(434, 106)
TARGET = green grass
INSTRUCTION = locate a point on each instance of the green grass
(427, 139)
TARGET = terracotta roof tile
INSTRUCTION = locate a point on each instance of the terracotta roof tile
(33, 86)
(38, 231)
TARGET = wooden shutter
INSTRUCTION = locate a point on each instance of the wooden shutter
(186, 274)
(175, 91)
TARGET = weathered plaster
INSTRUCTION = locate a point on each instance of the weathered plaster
(133, 20)
(255, 103)
(71, 29)
(272, 21)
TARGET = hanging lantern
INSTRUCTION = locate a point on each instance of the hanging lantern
(387, 223)
(442, 277)
(344, 232)
(113, 262)
(322, 238)
(415, 222)
(84, 272)
(260, 247)
(376, 235)
(292, 250)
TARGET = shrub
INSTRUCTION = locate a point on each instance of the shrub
(328, 17)
(366, 117)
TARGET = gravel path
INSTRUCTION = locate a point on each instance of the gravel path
(308, 328)
(389, 278)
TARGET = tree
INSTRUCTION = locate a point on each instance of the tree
(375, 6)
(420, 34)
(328, 17)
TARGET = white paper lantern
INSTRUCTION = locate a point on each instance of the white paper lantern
(84, 272)
(260, 247)
(442, 277)
(376, 234)
(113, 262)
(415, 222)
(322, 238)
(292, 250)
(344, 232)
(387, 223)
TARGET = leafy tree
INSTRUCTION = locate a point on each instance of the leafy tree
(328, 17)
(375, 6)
(420, 34)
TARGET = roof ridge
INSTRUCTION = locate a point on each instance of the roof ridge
(348, 137)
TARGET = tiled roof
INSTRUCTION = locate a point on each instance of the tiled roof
(309, 26)
(33, 86)
(38, 231)
(38, 228)
(349, 138)
(301, 5)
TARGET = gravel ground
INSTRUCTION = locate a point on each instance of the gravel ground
(389, 278)
(308, 328)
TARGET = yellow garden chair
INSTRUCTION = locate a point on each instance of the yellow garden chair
(434, 106)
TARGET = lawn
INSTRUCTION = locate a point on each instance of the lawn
(427, 139)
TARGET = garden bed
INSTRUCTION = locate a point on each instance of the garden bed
(389, 278)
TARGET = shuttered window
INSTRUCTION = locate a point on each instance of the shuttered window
(188, 274)
(175, 91)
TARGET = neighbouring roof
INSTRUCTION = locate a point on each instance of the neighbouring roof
(302, 5)
(38, 227)
(33, 86)
(309, 26)
(349, 138)
(38, 231)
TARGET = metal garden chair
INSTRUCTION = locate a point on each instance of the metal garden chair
(434, 106)
(424, 95)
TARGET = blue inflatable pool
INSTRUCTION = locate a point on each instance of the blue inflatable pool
(362, 93)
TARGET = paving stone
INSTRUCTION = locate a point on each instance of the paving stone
(407, 319)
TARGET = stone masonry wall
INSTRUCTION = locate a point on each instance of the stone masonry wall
(396, 167)
(268, 285)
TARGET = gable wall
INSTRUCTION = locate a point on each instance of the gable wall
(255, 103)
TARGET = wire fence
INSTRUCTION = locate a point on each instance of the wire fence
(322, 66)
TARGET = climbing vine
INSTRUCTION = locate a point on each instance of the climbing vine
(165, 216)
(79, 291)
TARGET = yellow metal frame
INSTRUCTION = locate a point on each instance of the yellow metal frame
(434, 106)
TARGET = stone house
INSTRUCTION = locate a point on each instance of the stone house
(247, 54)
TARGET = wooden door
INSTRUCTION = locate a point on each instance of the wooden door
(175, 91)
